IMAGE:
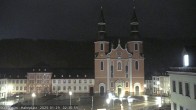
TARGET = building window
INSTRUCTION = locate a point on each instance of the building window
(54, 81)
(180, 88)
(79, 81)
(90, 81)
(112, 84)
(25, 88)
(181, 108)
(174, 86)
(102, 65)
(74, 87)
(195, 91)
(79, 88)
(85, 81)
(17, 88)
(69, 81)
(112, 71)
(101, 47)
(21, 81)
(74, 81)
(20, 87)
(119, 66)
(136, 46)
(53, 87)
(187, 89)
(85, 88)
(126, 70)
(59, 81)
(64, 87)
(175, 106)
(17, 81)
(127, 84)
(136, 65)
(59, 88)
(64, 81)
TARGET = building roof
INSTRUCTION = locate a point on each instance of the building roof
(73, 74)
(13, 73)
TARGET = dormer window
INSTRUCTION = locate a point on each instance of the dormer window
(17, 76)
(186, 60)
(39, 69)
(77, 75)
(45, 69)
(62, 76)
(69, 75)
(85, 76)
(33, 69)
(54, 75)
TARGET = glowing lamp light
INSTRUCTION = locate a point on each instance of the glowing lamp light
(186, 60)
(108, 101)
(33, 95)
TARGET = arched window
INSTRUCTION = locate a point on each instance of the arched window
(119, 66)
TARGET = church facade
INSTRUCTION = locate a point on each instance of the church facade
(119, 70)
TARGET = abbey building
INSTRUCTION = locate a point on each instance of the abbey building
(119, 70)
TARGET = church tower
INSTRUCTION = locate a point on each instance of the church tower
(101, 49)
(135, 47)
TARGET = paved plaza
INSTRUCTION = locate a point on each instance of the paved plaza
(63, 102)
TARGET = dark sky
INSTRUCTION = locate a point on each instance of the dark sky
(77, 19)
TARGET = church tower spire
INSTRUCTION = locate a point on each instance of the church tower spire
(101, 26)
(134, 25)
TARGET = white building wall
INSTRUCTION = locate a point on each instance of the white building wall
(85, 84)
(188, 103)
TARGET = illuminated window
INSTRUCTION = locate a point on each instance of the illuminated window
(186, 60)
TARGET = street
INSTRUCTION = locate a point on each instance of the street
(85, 103)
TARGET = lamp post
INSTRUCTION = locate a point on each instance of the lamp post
(158, 83)
(145, 88)
(10, 87)
(108, 102)
(70, 93)
(33, 96)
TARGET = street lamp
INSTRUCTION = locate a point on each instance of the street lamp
(33, 96)
(158, 83)
(145, 88)
(108, 102)
(70, 93)
(9, 88)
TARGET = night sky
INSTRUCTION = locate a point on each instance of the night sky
(165, 25)
(77, 19)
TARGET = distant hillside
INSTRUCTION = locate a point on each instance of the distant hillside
(159, 53)
(56, 53)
